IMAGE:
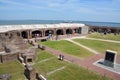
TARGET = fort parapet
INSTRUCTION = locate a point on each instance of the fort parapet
(44, 30)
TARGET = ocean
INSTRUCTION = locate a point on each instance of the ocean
(20, 22)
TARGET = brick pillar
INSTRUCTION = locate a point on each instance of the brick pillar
(20, 33)
(43, 32)
(54, 31)
(73, 31)
(64, 31)
(29, 34)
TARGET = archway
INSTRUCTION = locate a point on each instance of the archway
(69, 31)
(59, 32)
(36, 33)
(24, 34)
(77, 30)
(47, 32)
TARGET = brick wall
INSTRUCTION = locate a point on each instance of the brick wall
(8, 57)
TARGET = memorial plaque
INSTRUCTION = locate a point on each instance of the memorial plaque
(110, 58)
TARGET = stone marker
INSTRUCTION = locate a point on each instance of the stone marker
(110, 58)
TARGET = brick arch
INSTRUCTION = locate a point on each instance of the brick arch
(36, 33)
(77, 30)
(24, 34)
(49, 31)
(69, 31)
(59, 32)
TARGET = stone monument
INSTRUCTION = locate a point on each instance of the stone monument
(110, 58)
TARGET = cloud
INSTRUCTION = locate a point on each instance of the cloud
(66, 7)
(20, 5)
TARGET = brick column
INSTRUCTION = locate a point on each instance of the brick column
(43, 32)
(54, 31)
(64, 31)
(29, 34)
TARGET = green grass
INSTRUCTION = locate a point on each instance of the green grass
(69, 48)
(42, 55)
(100, 46)
(102, 36)
(49, 65)
(14, 68)
(70, 72)
(74, 72)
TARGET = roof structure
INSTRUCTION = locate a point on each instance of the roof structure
(5, 28)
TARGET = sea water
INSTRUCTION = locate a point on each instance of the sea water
(20, 22)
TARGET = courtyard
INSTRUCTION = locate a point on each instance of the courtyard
(77, 64)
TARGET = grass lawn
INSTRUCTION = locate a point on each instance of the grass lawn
(74, 72)
(100, 46)
(48, 65)
(42, 55)
(70, 72)
(69, 48)
(14, 68)
(102, 36)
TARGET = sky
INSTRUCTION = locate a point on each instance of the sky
(82, 10)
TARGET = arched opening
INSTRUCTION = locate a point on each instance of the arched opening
(59, 32)
(77, 30)
(49, 32)
(6, 34)
(24, 34)
(113, 30)
(69, 31)
(36, 33)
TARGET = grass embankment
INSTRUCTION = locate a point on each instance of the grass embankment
(69, 48)
(70, 72)
(102, 36)
(14, 68)
(100, 46)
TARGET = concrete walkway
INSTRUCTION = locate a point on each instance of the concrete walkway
(89, 49)
(44, 60)
(103, 40)
(84, 37)
(51, 72)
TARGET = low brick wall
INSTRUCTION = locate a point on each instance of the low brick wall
(8, 57)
